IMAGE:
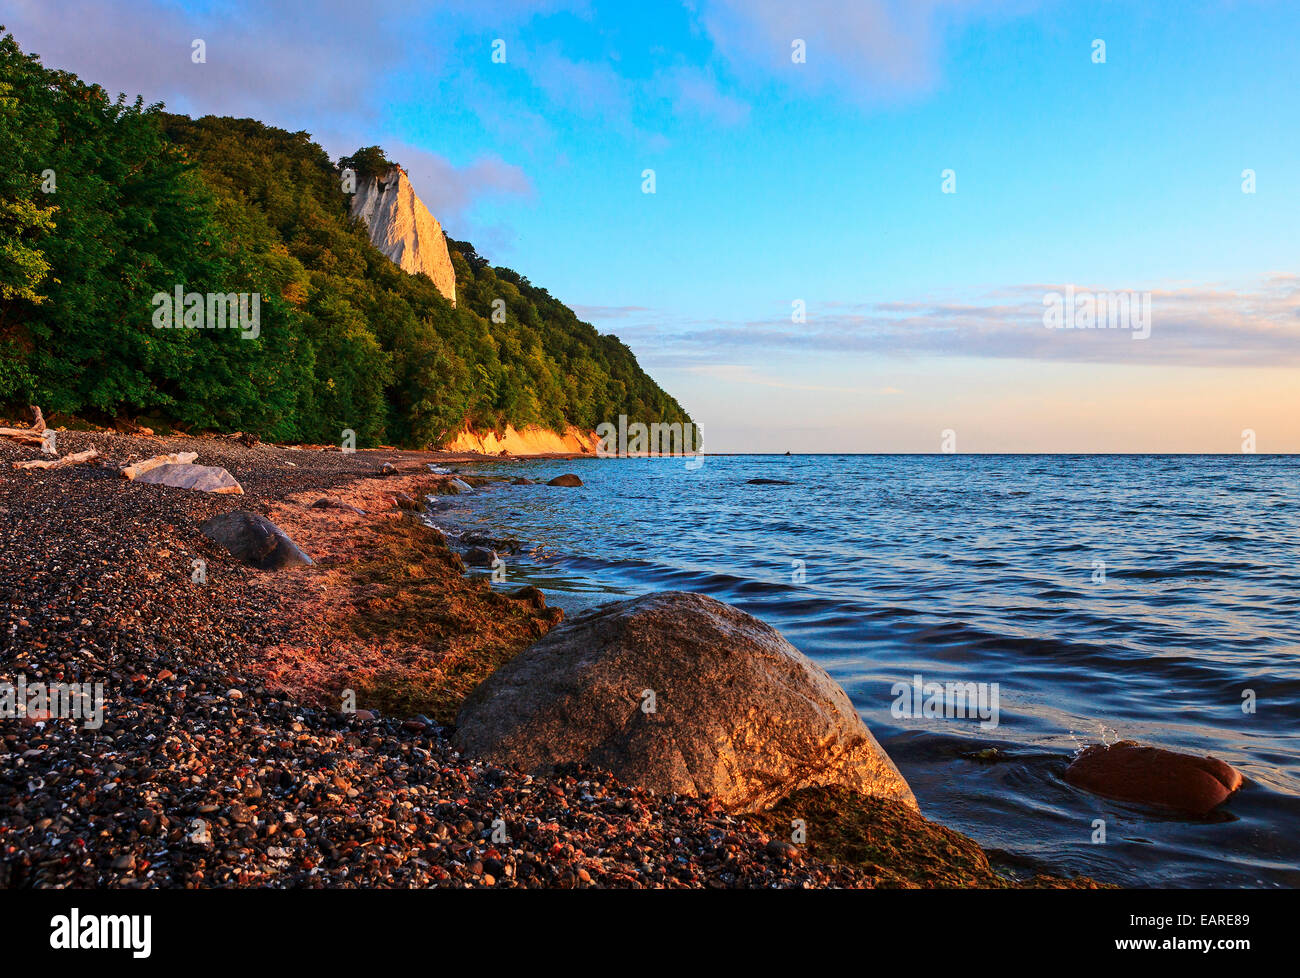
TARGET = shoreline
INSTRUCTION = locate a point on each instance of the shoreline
(222, 705)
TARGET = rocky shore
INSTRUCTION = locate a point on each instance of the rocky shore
(228, 755)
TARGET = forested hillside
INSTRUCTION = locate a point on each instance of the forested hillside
(105, 203)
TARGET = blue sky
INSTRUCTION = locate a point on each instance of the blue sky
(821, 182)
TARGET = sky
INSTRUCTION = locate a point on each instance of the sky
(849, 250)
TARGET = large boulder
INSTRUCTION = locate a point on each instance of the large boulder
(203, 478)
(255, 540)
(1127, 771)
(677, 693)
(568, 480)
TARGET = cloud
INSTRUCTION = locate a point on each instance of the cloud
(744, 374)
(698, 92)
(1193, 326)
(325, 70)
(450, 191)
(262, 59)
(883, 48)
(592, 313)
(596, 90)
(273, 59)
(589, 88)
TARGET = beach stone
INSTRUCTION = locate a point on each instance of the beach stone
(1128, 771)
(480, 557)
(326, 503)
(203, 478)
(460, 485)
(533, 595)
(783, 850)
(568, 479)
(407, 502)
(255, 540)
(738, 712)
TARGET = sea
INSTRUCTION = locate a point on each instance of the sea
(1091, 599)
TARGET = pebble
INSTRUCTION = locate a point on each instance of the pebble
(201, 776)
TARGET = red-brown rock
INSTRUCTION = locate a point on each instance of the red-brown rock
(1127, 771)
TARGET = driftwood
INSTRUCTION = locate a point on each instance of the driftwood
(139, 468)
(37, 434)
(75, 459)
(25, 435)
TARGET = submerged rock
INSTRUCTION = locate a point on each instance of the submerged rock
(500, 544)
(568, 479)
(769, 482)
(678, 693)
(480, 557)
(1128, 771)
(202, 478)
(255, 540)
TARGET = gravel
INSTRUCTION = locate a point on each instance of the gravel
(201, 776)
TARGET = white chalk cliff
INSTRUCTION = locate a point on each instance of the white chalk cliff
(403, 229)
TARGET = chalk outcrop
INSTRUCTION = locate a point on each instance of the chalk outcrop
(529, 440)
(678, 693)
(403, 229)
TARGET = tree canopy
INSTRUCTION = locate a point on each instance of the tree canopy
(105, 204)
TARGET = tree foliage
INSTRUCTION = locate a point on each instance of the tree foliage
(145, 201)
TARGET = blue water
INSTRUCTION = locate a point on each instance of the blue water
(981, 569)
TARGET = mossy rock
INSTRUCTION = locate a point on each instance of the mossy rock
(891, 845)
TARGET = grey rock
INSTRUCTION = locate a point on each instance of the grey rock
(739, 713)
(255, 540)
(480, 557)
(202, 478)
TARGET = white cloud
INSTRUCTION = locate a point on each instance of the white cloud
(874, 49)
(1190, 326)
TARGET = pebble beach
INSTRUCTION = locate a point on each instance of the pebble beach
(224, 758)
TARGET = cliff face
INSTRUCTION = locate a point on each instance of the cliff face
(529, 440)
(403, 229)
